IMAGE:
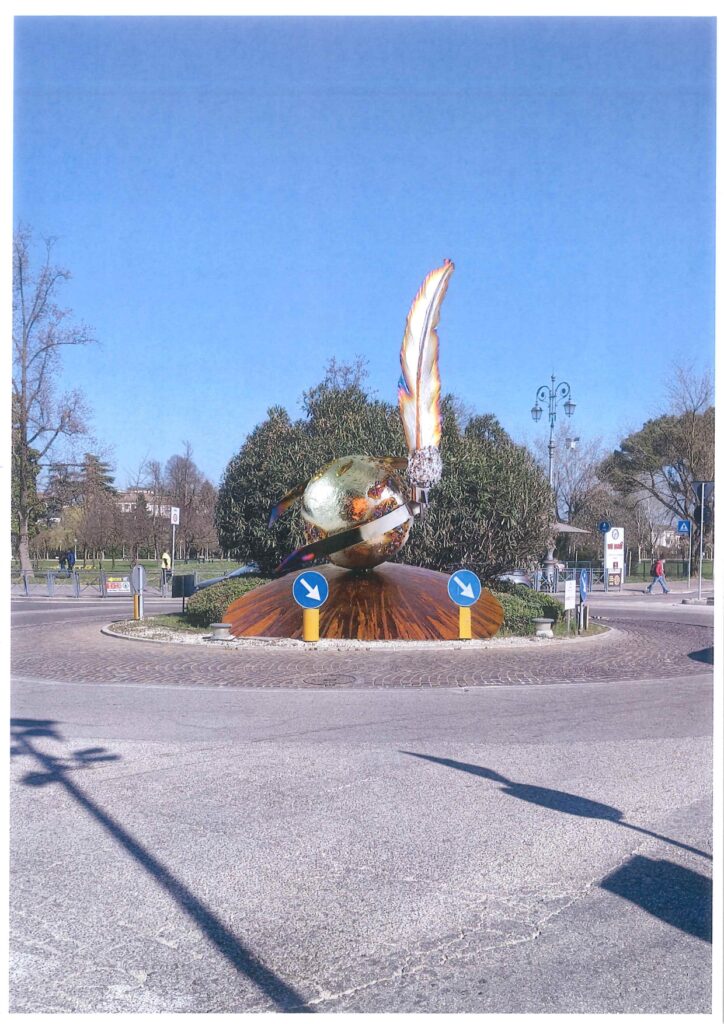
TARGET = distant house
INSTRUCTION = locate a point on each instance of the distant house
(127, 499)
(665, 535)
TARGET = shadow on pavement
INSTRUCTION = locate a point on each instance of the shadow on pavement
(673, 893)
(639, 878)
(55, 770)
(706, 654)
(555, 799)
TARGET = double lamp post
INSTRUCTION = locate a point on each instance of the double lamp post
(551, 394)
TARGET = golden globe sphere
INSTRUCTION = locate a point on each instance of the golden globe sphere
(349, 492)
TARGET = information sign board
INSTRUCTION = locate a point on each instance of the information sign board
(138, 579)
(118, 585)
(614, 554)
(569, 595)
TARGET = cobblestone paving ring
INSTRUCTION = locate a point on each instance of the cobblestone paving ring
(637, 650)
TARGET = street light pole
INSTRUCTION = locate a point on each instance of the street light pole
(551, 394)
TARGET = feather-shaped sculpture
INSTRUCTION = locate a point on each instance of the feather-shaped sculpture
(419, 387)
(356, 510)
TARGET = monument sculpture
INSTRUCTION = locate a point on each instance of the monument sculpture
(358, 511)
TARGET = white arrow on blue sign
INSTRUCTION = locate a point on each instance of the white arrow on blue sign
(310, 589)
(464, 587)
(683, 526)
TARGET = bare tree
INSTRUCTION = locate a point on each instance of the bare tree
(195, 496)
(160, 525)
(40, 417)
(669, 454)
(137, 526)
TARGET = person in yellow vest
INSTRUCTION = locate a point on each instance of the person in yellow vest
(165, 566)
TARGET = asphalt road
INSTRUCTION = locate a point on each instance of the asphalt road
(216, 847)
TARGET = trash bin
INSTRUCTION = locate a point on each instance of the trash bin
(183, 585)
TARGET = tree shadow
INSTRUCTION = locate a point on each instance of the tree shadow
(56, 770)
(677, 895)
(674, 894)
(705, 655)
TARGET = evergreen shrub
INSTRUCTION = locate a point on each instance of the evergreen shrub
(521, 605)
(209, 605)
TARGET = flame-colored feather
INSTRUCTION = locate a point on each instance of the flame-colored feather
(419, 389)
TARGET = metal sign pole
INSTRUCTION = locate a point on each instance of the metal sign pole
(701, 541)
(173, 545)
(688, 585)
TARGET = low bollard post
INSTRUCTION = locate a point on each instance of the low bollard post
(26, 588)
(76, 583)
(138, 582)
(465, 624)
(310, 624)
(464, 589)
(310, 590)
(51, 584)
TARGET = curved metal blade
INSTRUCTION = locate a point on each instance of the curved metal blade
(306, 556)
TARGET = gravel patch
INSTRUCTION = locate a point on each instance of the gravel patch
(133, 630)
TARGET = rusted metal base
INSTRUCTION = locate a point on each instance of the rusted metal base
(390, 602)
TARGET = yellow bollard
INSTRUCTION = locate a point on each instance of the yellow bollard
(466, 628)
(310, 624)
(136, 612)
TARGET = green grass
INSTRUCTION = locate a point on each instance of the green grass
(593, 628)
(175, 621)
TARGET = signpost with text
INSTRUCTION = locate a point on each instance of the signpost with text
(614, 555)
(175, 520)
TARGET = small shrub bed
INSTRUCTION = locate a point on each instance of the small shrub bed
(521, 605)
(209, 605)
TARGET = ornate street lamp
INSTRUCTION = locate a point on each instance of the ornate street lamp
(551, 395)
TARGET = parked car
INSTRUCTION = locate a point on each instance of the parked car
(519, 576)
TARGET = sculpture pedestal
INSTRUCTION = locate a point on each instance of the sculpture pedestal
(390, 602)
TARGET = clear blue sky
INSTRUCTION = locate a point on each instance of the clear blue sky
(239, 199)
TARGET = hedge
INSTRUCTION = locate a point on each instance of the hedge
(521, 605)
(209, 605)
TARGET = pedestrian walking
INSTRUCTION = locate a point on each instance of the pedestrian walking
(62, 561)
(71, 559)
(659, 576)
(166, 566)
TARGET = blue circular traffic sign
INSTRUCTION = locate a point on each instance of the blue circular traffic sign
(310, 589)
(603, 526)
(464, 587)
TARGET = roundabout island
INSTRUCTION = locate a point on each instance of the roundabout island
(274, 826)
